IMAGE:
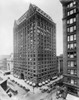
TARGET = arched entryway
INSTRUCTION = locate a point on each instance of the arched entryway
(22, 76)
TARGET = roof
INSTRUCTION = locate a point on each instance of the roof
(2, 79)
(71, 97)
(3, 95)
(66, 1)
(30, 11)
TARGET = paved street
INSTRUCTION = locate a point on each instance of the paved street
(37, 95)
(32, 95)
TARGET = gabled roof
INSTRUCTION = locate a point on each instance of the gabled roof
(30, 11)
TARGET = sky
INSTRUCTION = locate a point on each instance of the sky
(13, 9)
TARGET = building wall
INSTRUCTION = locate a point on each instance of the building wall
(3, 64)
(71, 45)
(10, 63)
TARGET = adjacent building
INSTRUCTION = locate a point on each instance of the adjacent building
(71, 45)
(3, 62)
(10, 63)
(35, 46)
(60, 64)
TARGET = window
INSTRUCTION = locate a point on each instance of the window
(72, 72)
(75, 45)
(71, 56)
(72, 64)
(68, 22)
(74, 36)
(75, 54)
(71, 37)
(71, 29)
(71, 20)
(71, 12)
(72, 81)
(68, 71)
(74, 2)
(68, 6)
(68, 13)
(75, 72)
(68, 63)
(67, 29)
(71, 4)
(68, 46)
(68, 38)
(74, 28)
(74, 10)
(72, 46)
(75, 19)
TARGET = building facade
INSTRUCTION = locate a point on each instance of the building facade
(35, 46)
(10, 63)
(71, 45)
(60, 64)
(3, 62)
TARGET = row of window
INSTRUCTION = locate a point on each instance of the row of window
(71, 37)
(72, 72)
(71, 45)
(71, 4)
(71, 29)
(72, 81)
(72, 55)
(71, 21)
(72, 63)
(43, 24)
(71, 12)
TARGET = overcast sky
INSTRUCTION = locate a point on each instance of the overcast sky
(13, 9)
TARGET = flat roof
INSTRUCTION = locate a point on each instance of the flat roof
(2, 79)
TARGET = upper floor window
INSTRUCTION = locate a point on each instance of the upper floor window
(71, 37)
(71, 4)
(71, 12)
(71, 29)
(71, 20)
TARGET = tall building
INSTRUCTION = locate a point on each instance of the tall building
(35, 46)
(71, 45)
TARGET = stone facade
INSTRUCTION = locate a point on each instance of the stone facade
(71, 45)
